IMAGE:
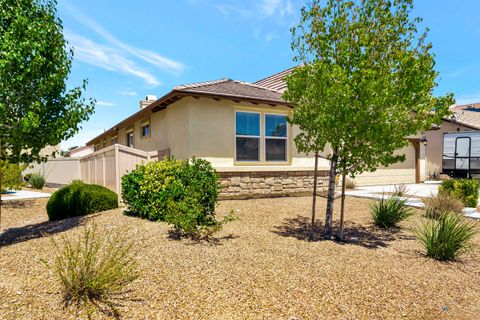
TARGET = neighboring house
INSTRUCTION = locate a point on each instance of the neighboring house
(81, 152)
(242, 129)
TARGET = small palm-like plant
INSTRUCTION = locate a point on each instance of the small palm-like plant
(447, 237)
(94, 269)
(388, 212)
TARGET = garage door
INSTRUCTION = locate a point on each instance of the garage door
(398, 173)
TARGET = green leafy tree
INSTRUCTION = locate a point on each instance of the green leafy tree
(36, 107)
(364, 85)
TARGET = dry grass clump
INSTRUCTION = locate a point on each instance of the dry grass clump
(94, 269)
(350, 184)
(400, 190)
(441, 203)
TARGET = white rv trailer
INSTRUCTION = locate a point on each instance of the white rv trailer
(461, 154)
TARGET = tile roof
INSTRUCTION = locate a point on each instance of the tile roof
(467, 114)
(275, 82)
(233, 89)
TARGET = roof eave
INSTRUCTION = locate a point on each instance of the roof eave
(176, 95)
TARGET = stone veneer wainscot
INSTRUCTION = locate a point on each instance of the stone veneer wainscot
(270, 183)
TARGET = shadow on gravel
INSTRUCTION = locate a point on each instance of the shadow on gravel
(216, 241)
(366, 236)
(38, 230)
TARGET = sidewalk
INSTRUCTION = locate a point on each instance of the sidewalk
(413, 195)
(23, 195)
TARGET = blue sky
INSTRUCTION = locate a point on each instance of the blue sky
(128, 49)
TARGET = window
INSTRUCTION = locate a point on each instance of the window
(96, 147)
(114, 140)
(145, 129)
(275, 137)
(247, 136)
(130, 138)
(104, 144)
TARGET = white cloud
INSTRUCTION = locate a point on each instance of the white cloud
(107, 58)
(127, 93)
(261, 15)
(159, 61)
(458, 72)
(105, 103)
(259, 10)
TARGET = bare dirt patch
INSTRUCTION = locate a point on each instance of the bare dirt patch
(262, 266)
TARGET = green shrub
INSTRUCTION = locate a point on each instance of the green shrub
(444, 239)
(79, 199)
(441, 203)
(388, 212)
(181, 192)
(465, 190)
(11, 176)
(94, 268)
(36, 180)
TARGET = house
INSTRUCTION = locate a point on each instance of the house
(81, 151)
(242, 129)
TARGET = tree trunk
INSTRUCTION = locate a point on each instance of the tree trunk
(342, 207)
(314, 201)
(331, 197)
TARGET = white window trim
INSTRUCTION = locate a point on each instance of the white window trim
(259, 137)
(287, 149)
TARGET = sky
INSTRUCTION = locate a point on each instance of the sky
(128, 49)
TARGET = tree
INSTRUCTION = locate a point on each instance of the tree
(365, 84)
(36, 108)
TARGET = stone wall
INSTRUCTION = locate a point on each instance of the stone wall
(269, 184)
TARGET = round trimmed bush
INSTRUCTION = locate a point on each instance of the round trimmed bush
(180, 192)
(79, 199)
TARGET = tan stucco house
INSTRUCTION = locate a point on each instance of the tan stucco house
(242, 129)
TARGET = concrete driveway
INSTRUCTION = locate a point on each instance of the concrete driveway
(413, 194)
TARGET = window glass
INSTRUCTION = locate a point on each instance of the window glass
(146, 130)
(275, 125)
(130, 139)
(247, 124)
(276, 149)
(248, 149)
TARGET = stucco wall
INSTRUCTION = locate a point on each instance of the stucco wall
(212, 134)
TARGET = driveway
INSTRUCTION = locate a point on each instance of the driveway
(413, 194)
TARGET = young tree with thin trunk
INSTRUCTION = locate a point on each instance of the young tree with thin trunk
(36, 108)
(365, 84)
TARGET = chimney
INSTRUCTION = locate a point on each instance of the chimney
(149, 99)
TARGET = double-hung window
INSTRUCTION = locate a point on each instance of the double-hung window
(275, 137)
(261, 137)
(247, 136)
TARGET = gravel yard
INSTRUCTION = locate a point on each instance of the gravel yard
(262, 266)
